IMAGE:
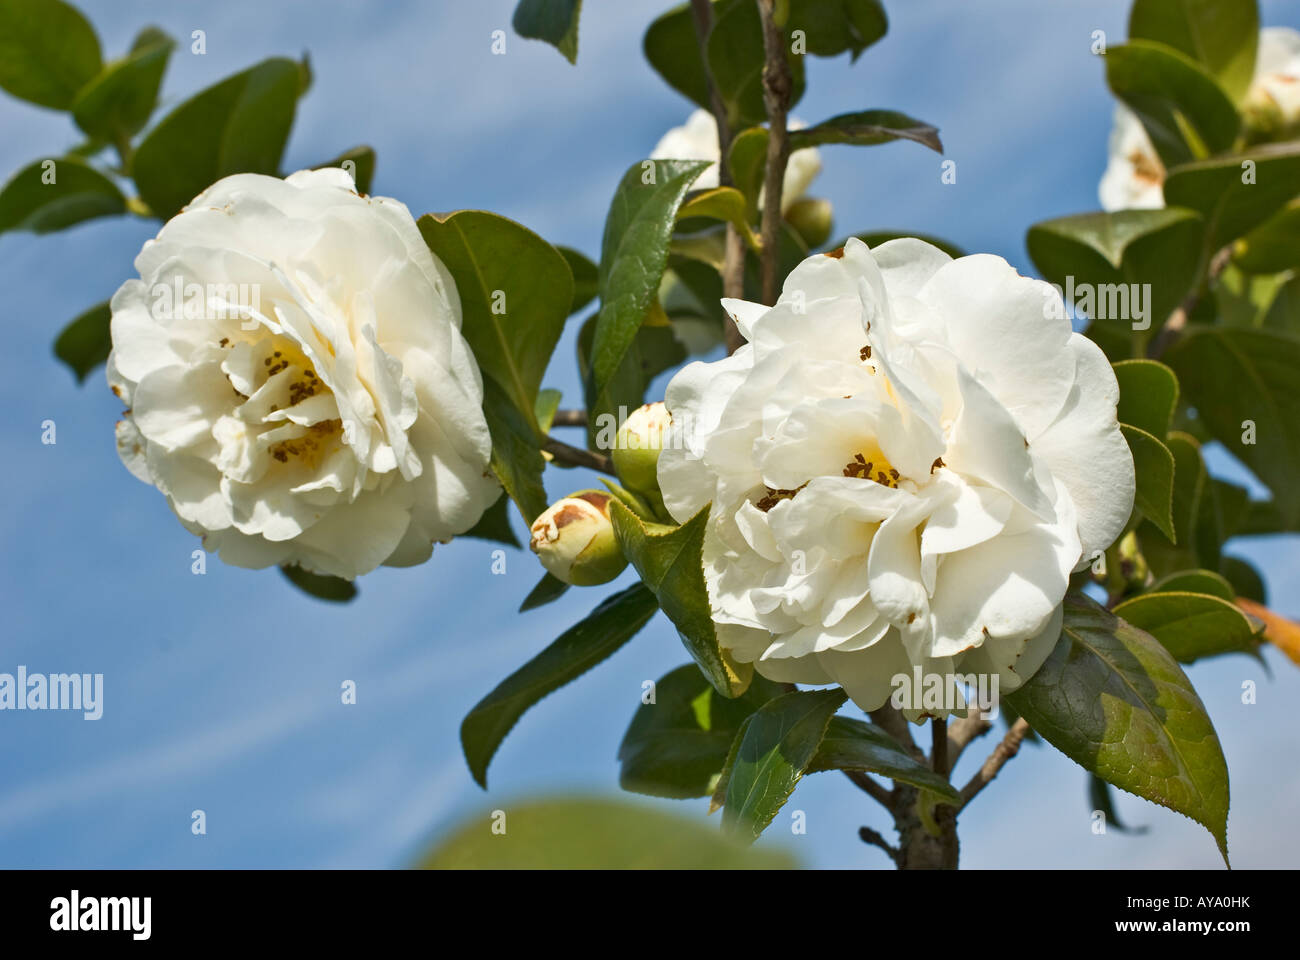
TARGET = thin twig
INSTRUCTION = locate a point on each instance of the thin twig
(733, 264)
(870, 787)
(1003, 752)
(867, 835)
(777, 88)
(960, 734)
(569, 418)
(566, 453)
(939, 746)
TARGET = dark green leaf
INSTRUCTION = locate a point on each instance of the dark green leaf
(320, 585)
(1100, 798)
(673, 49)
(48, 51)
(78, 192)
(555, 21)
(118, 102)
(669, 560)
(238, 126)
(1274, 245)
(1154, 467)
(1245, 579)
(867, 128)
(1236, 194)
(1232, 376)
(548, 588)
(1196, 581)
(851, 744)
(736, 58)
(516, 453)
(577, 650)
(359, 162)
(748, 160)
(590, 833)
(1220, 35)
(586, 281)
(85, 343)
(1113, 700)
(832, 26)
(1190, 625)
(1184, 110)
(776, 748)
(677, 746)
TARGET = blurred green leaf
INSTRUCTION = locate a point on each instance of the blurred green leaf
(867, 128)
(1220, 35)
(592, 833)
(555, 21)
(1236, 194)
(1196, 519)
(57, 192)
(586, 279)
(85, 343)
(1274, 245)
(736, 59)
(548, 589)
(669, 561)
(1184, 110)
(320, 585)
(240, 125)
(48, 51)
(776, 747)
(117, 103)
(677, 745)
(833, 26)
(577, 650)
(1195, 581)
(362, 166)
(1113, 700)
(1238, 376)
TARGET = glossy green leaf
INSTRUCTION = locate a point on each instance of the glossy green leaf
(1154, 467)
(586, 278)
(85, 343)
(577, 650)
(548, 589)
(320, 585)
(1113, 699)
(55, 193)
(118, 102)
(1184, 110)
(555, 21)
(867, 128)
(1190, 625)
(677, 746)
(721, 203)
(669, 561)
(240, 125)
(852, 744)
(1237, 377)
(494, 525)
(776, 747)
(593, 833)
(516, 451)
(48, 51)
(1100, 256)
(359, 162)
(1196, 581)
(633, 255)
(1220, 35)
(1238, 193)
(1148, 394)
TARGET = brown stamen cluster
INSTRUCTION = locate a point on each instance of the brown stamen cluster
(775, 496)
(860, 466)
(311, 446)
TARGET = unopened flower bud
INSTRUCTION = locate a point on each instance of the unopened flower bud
(637, 446)
(811, 219)
(575, 541)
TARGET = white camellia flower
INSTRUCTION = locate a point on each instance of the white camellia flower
(296, 381)
(905, 462)
(698, 140)
(1135, 176)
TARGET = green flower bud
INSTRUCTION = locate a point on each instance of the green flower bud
(811, 219)
(575, 541)
(637, 446)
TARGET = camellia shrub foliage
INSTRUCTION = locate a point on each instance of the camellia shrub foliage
(883, 470)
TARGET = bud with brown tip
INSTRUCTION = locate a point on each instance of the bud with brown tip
(575, 541)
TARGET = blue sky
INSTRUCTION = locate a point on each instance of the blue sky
(222, 690)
